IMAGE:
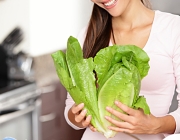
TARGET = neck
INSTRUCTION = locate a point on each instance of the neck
(134, 16)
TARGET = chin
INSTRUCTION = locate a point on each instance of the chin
(115, 12)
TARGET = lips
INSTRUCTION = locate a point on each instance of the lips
(110, 3)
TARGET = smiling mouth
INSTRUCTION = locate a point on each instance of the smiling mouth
(110, 3)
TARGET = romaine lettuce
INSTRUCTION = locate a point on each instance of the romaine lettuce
(119, 71)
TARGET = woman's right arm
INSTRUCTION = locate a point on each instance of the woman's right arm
(75, 115)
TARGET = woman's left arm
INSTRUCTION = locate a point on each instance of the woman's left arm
(136, 122)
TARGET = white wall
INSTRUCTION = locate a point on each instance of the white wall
(14, 13)
(53, 21)
(172, 6)
(47, 23)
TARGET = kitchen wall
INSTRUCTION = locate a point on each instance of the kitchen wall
(47, 24)
(14, 13)
(171, 6)
(53, 21)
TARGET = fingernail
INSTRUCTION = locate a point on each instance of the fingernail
(107, 108)
(84, 110)
(116, 102)
(109, 127)
(82, 104)
(106, 117)
(89, 116)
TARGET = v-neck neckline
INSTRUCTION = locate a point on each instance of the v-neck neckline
(150, 34)
(151, 31)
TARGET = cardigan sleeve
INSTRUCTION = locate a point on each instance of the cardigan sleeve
(176, 113)
(69, 104)
(176, 65)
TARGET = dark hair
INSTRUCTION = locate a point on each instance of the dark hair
(99, 30)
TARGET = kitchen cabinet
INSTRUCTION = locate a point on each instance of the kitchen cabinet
(53, 124)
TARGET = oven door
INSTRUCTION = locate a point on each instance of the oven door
(21, 121)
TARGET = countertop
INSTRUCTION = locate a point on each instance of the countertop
(44, 70)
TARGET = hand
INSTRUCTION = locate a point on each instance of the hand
(78, 116)
(134, 122)
(92, 128)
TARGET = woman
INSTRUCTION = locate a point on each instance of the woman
(132, 22)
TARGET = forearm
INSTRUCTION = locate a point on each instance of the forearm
(167, 124)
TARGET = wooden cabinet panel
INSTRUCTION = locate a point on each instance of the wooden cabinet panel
(54, 125)
(49, 128)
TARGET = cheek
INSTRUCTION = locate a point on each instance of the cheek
(94, 1)
(98, 3)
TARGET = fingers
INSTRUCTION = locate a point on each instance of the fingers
(78, 112)
(118, 129)
(119, 124)
(118, 114)
(129, 117)
(124, 108)
(92, 128)
(86, 121)
(77, 108)
(80, 115)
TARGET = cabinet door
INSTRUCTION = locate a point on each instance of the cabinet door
(54, 125)
(49, 115)
(66, 132)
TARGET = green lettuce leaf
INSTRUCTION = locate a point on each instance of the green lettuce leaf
(77, 76)
(115, 73)
(119, 71)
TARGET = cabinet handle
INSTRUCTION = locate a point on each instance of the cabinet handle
(18, 100)
(48, 117)
(10, 116)
(47, 89)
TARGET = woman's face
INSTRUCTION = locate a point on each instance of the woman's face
(114, 7)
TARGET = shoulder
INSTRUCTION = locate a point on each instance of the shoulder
(166, 31)
(167, 24)
(167, 19)
(166, 14)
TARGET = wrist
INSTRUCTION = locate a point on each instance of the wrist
(166, 124)
(156, 125)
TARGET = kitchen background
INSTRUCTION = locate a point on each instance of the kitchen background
(31, 96)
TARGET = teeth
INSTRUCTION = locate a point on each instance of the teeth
(110, 3)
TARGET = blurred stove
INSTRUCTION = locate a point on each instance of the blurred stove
(15, 91)
(12, 84)
(20, 104)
